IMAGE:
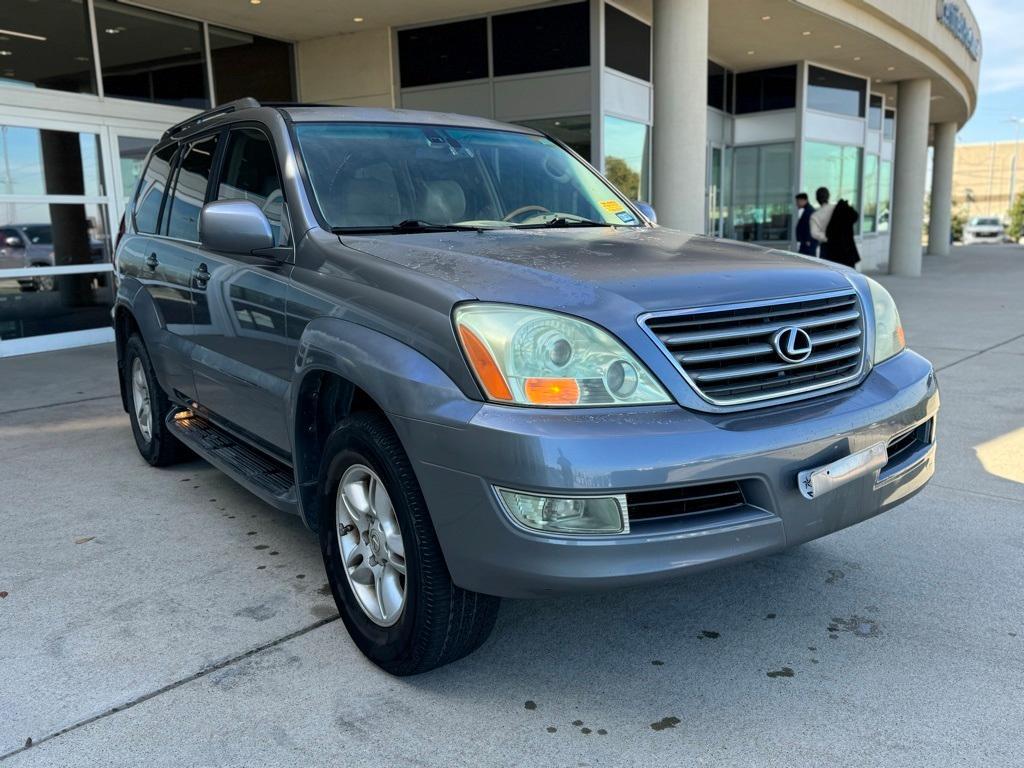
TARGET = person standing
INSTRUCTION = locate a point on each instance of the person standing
(820, 219)
(808, 246)
(842, 248)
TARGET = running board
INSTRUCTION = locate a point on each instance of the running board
(254, 470)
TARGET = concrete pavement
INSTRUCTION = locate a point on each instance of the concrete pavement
(168, 618)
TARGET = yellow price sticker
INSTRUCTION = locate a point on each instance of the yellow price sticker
(612, 206)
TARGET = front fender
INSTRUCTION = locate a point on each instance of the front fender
(399, 379)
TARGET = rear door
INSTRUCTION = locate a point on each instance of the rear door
(242, 357)
(165, 273)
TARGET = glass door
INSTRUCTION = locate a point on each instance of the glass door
(715, 200)
(63, 187)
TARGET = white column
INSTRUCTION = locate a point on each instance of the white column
(913, 101)
(679, 166)
(941, 207)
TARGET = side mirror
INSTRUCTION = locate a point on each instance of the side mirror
(234, 226)
(13, 242)
(647, 210)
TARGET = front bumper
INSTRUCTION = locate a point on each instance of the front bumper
(639, 449)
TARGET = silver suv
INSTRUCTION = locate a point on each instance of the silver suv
(476, 370)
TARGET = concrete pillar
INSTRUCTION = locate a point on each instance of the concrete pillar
(679, 164)
(913, 101)
(941, 207)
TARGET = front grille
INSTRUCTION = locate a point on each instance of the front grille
(727, 353)
(684, 501)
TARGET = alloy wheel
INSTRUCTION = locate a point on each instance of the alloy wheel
(141, 400)
(370, 542)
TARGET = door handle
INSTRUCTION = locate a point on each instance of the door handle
(202, 276)
(152, 261)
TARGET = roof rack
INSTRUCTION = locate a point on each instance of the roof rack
(196, 120)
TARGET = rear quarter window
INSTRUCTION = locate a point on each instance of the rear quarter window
(152, 189)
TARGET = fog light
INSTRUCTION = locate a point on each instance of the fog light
(567, 514)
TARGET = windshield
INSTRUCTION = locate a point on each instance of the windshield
(987, 222)
(39, 234)
(412, 177)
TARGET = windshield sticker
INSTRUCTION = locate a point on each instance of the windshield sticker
(626, 217)
(612, 206)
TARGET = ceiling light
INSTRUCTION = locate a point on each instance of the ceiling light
(81, 58)
(255, 2)
(750, 53)
(805, 33)
(856, 58)
(112, 31)
(890, 69)
(766, 18)
(358, 19)
(25, 35)
(6, 53)
(837, 45)
(878, 79)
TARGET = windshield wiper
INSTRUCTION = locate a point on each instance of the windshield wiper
(564, 221)
(407, 226)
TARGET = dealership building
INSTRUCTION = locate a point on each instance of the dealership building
(716, 111)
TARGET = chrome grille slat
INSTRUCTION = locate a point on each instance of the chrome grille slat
(742, 372)
(751, 330)
(727, 353)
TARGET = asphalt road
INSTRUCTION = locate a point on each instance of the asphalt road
(168, 618)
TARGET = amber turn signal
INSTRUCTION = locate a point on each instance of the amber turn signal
(552, 391)
(484, 367)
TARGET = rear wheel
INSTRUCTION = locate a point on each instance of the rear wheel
(383, 560)
(148, 406)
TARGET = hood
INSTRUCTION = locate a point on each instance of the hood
(575, 269)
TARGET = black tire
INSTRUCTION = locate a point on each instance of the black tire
(439, 621)
(162, 448)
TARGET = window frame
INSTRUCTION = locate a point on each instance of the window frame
(285, 251)
(172, 165)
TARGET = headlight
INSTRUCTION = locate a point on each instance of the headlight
(889, 338)
(533, 357)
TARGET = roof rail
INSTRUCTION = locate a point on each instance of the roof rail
(196, 120)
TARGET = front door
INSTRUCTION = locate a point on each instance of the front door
(242, 358)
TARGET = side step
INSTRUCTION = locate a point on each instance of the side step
(258, 473)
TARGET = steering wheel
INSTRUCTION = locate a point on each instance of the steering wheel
(525, 209)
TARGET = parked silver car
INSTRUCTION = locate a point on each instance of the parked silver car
(477, 370)
(31, 245)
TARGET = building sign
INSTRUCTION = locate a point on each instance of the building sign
(952, 17)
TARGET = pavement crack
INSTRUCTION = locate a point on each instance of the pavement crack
(32, 742)
(55, 405)
(947, 366)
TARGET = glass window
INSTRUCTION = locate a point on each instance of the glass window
(829, 91)
(151, 190)
(443, 53)
(132, 153)
(250, 65)
(189, 194)
(36, 161)
(376, 176)
(627, 43)
(716, 85)
(50, 47)
(869, 216)
(833, 166)
(573, 131)
(627, 157)
(884, 194)
(766, 89)
(889, 126)
(150, 56)
(250, 172)
(541, 40)
(762, 193)
(875, 113)
(54, 235)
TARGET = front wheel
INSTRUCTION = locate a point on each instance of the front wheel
(148, 407)
(383, 560)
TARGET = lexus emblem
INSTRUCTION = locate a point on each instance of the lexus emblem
(792, 344)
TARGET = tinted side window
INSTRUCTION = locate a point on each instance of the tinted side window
(443, 53)
(151, 189)
(250, 173)
(627, 43)
(190, 190)
(542, 39)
